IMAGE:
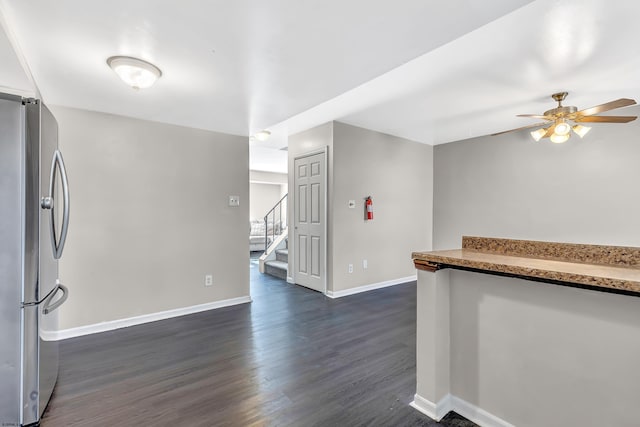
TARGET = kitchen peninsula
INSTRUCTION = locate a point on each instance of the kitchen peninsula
(514, 332)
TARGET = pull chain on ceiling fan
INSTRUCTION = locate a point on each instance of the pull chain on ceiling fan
(560, 121)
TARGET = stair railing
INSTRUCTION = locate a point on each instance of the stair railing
(277, 220)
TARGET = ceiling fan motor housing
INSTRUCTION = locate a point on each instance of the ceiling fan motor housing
(561, 111)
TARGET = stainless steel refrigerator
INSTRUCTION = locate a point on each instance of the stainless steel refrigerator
(34, 219)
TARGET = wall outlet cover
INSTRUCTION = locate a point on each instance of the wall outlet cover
(350, 268)
(208, 280)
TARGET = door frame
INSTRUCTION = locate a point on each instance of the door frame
(325, 216)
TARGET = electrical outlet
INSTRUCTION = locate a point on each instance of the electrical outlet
(350, 268)
(208, 280)
(352, 204)
(365, 264)
(234, 201)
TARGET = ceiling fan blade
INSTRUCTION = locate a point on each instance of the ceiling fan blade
(618, 103)
(606, 119)
(537, 116)
(550, 131)
(517, 129)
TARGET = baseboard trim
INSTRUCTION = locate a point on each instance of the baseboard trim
(436, 411)
(477, 415)
(449, 403)
(371, 287)
(145, 318)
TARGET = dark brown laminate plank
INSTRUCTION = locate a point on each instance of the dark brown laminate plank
(291, 358)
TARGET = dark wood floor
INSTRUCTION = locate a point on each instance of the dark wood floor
(291, 358)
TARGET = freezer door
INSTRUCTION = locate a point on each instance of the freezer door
(30, 355)
(48, 352)
(40, 354)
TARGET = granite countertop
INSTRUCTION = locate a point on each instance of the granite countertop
(611, 268)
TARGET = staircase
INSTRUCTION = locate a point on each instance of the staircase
(275, 259)
(279, 266)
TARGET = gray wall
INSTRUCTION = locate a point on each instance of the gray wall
(537, 354)
(150, 216)
(532, 353)
(397, 173)
(583, 191)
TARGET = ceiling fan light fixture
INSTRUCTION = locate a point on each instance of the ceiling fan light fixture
(538, 134)
(135, 72)
(581, 130)
(562, 127)
(263, 135)
(559, 139)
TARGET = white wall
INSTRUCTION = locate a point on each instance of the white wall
(582, 191)
(268, 177)
(150, 216)
(397, 173)
(262, 198)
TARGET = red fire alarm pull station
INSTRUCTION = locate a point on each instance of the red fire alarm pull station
(369, 208)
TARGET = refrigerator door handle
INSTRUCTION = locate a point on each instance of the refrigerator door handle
(49, 203)
(48, 307)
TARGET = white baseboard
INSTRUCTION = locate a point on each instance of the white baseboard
(452, 403)
(371, 287)
(477, 415)
(436, 411)
(145, 318)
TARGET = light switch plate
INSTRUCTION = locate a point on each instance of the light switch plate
(234, 201)
(352, 204)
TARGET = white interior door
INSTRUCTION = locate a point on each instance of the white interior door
(309, 221)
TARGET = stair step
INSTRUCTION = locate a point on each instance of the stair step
(277, 264)
(282, 255)
(277, 269)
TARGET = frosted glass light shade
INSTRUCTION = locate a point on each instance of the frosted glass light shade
(562, 128)
(581, 130)
(559, 139)
(263, 135)
(538, 134)
(135, 72)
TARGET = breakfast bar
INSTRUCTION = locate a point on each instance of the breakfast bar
(516, 332)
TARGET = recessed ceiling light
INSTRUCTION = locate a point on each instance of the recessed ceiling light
(135, 72)
(263, 135)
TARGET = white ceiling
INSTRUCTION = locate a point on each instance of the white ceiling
(14, 75)
(430, 71)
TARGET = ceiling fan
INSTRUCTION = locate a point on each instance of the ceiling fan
(560, 121)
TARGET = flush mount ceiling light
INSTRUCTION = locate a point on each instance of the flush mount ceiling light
(135, 72)
(263, 135)
(560, 119)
